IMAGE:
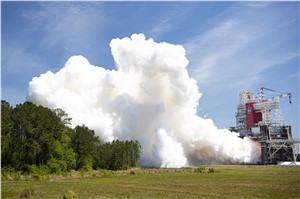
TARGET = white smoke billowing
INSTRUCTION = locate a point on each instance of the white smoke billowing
(149, 97)
(169, 152)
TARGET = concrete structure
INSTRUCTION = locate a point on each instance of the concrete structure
(262, 121)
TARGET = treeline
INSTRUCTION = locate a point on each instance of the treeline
(34, 136)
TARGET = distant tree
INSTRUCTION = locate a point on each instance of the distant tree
(34, 135)
(63, 116)
(85, 144)
(6, 133)
(63, 158)
(35, 130)
(119, 155)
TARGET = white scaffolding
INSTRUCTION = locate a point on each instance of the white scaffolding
(274, 135)
(271, 113)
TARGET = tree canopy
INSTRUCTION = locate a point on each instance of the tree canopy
(35, 135)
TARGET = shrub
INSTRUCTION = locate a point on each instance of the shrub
(18, 175)
(132, 172)
(70, 195)
(7, 172)
(70, 159)
(57, 166)
(106, 172)
(54, 167)
(200, 169)
(211, 170)
(38, 172)
(86, 163)
(186, 167)
(27, 193)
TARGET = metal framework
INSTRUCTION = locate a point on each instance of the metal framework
(273, 134)
(281, 150)
(271, 113)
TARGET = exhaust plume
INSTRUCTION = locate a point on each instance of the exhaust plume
(149, 97)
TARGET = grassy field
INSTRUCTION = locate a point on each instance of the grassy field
(222, 182)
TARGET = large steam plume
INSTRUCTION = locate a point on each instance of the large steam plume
(149, 97)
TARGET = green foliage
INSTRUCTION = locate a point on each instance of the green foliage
(106, 172)
(86, 163)
(70, 195)
(63, 157)
(6, 134)
(211, 170)
(56, 166)
(39, 141)
(6, 172)
(63, 116)
(70, 158)
(31, 136)
(132, 173)
(119, 155)
(38, 172)
(186, 167)
(35, 135)
(85, 144)
(200, 169)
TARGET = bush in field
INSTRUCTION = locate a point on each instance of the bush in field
(27, 193)
(86, 164)
(132, 173)
(54, 166)
(70, 195)
(7, 172)
(200, 169)
(211, 170)
(106, 172)
(38, 172)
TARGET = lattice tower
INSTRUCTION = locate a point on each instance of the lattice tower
(271, 113)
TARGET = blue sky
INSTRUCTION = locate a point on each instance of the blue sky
(231, 46)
